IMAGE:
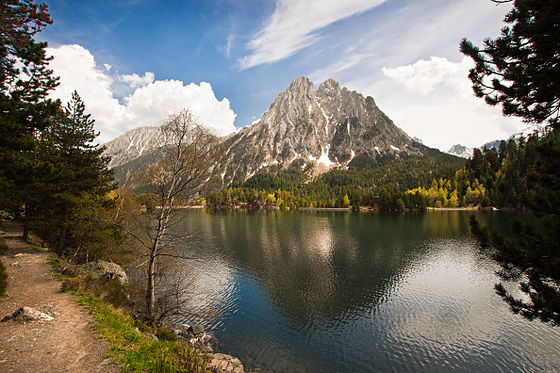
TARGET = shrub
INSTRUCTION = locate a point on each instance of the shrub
(112, 291)
(73, 284)
(180, 358)
(136, 351)
(165, 334)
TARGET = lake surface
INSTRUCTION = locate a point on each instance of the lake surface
(344, 292)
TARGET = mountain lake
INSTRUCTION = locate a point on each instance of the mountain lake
(356, 292)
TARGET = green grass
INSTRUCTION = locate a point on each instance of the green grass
(56, 267)
(137, 351)
(133, 346)
(37, 248)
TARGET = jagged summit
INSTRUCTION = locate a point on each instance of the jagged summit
(331, 126)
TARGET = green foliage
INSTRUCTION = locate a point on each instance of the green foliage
(530, 255)
(519, 69)
(498, 178)
(289, 188)
(24, 84)
(181, 358)
(522, 66)
(78, 180)
(66, 201)
(165, 334)
(137, 352)
(489, 178)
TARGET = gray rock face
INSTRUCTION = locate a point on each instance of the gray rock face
(103, 269)
(132, 145)
(329, 126)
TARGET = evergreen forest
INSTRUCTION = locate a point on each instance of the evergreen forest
(489, 178)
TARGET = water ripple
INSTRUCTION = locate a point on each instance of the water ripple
(367, 293)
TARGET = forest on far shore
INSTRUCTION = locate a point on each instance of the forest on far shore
(491, 177)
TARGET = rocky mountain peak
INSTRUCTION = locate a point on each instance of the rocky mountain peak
(327, 127)
(329, 88)
(324, 128)
(133, 144)
(301, 84)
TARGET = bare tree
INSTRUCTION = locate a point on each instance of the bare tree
(189, 155)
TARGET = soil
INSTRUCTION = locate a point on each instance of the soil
(65, 344)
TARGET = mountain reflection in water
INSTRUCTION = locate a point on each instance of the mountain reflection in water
(341, 292)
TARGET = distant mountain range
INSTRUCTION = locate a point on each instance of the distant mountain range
(331, 127)
(466, 152)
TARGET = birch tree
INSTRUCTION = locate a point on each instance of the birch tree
(189, 155)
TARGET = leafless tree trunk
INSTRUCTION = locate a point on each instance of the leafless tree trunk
(190, 152)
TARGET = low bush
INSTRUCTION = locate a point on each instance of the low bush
(165, 334)
(73, 284)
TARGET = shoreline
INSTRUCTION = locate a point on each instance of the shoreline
(362, 209)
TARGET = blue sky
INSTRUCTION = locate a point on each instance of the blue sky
(136, 62)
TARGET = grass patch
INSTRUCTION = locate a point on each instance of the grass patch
(136, 347)
(56, 267)
(136, 351)
(37, 248)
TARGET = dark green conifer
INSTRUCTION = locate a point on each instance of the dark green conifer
(521, 71)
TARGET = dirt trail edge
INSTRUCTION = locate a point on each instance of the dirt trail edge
(65, 344)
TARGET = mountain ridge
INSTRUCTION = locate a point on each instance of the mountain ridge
(328, 127)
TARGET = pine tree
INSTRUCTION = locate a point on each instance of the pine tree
(521, 70)
(77, 167)
(24, 84)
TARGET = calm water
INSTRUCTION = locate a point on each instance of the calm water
(343, 292)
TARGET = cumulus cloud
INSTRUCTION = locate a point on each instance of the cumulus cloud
(150, 103)
(134, 80)
(423, 76)
(439, 106)
(294, 25)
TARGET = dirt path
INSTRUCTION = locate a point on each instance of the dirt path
(66, 344)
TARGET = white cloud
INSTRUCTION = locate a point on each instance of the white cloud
(439, 105)
(429, 97)
(294, 25)
(230, 40)
(135, 81)
(349, 61)
(423, 76)
(150, 103)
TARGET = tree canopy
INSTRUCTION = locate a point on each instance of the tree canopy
(25, 81)
(521, 69)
